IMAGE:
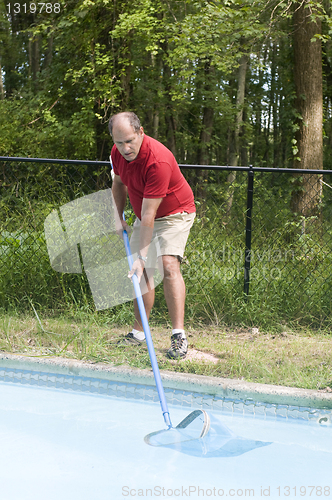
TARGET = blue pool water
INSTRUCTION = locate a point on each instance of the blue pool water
(59, 444)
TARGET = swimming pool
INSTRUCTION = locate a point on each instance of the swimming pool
(78, 437)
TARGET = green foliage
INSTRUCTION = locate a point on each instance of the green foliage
(168, 61)
(172, 63)
(30, 128)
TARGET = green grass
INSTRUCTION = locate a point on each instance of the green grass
(46, 313)
(294, 358)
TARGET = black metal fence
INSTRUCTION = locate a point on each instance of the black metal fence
(259, 251)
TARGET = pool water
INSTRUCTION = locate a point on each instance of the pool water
(58, 444)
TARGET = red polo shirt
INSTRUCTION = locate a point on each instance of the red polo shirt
(154, 174)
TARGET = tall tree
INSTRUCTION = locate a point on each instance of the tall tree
(308, 78)
(2, 92)
(207, 112)
(235, 144)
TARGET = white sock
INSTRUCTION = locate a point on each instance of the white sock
(177, 331)
(137, 334)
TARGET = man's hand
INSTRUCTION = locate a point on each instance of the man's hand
(124, 227)
(138, 268)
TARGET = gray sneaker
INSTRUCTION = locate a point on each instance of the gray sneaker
(179, 347)
(130, 339)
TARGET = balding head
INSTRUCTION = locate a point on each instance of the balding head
(127, 134)
(126, 116)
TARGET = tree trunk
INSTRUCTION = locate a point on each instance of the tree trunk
(241, 86)
(208, 111)
(157, 65)
(205, 135)
(125, 83)
(34, 61)
(234, 156)
(169, 117)
(2, 92)
(308, 79)
(156, 123)
(49, 52)
(256, 149)
(275, 107)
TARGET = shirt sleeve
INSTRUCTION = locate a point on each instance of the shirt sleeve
(157, 180)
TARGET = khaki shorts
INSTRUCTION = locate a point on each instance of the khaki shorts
(170, 236)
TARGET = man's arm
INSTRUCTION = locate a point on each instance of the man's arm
(119, 191)
(149, 210)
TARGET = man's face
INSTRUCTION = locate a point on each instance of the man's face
(126, 139)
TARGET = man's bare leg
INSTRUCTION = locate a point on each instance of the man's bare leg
(174, 290)
(175, 295)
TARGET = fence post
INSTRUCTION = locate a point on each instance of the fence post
(247, 255)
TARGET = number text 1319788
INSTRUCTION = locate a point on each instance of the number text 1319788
(33, 8)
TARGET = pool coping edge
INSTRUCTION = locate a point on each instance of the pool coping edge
(214, 386)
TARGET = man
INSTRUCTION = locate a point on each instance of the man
(164, 205)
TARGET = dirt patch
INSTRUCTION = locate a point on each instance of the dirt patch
(198, 356)
(194, 355)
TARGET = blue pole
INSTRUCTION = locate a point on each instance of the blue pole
(146, 328)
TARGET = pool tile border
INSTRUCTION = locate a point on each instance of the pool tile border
(177, 397)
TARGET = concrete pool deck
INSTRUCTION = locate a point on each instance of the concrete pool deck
(214, 386)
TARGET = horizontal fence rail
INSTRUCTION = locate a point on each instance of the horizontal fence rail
(260, 233)
(181, 165)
